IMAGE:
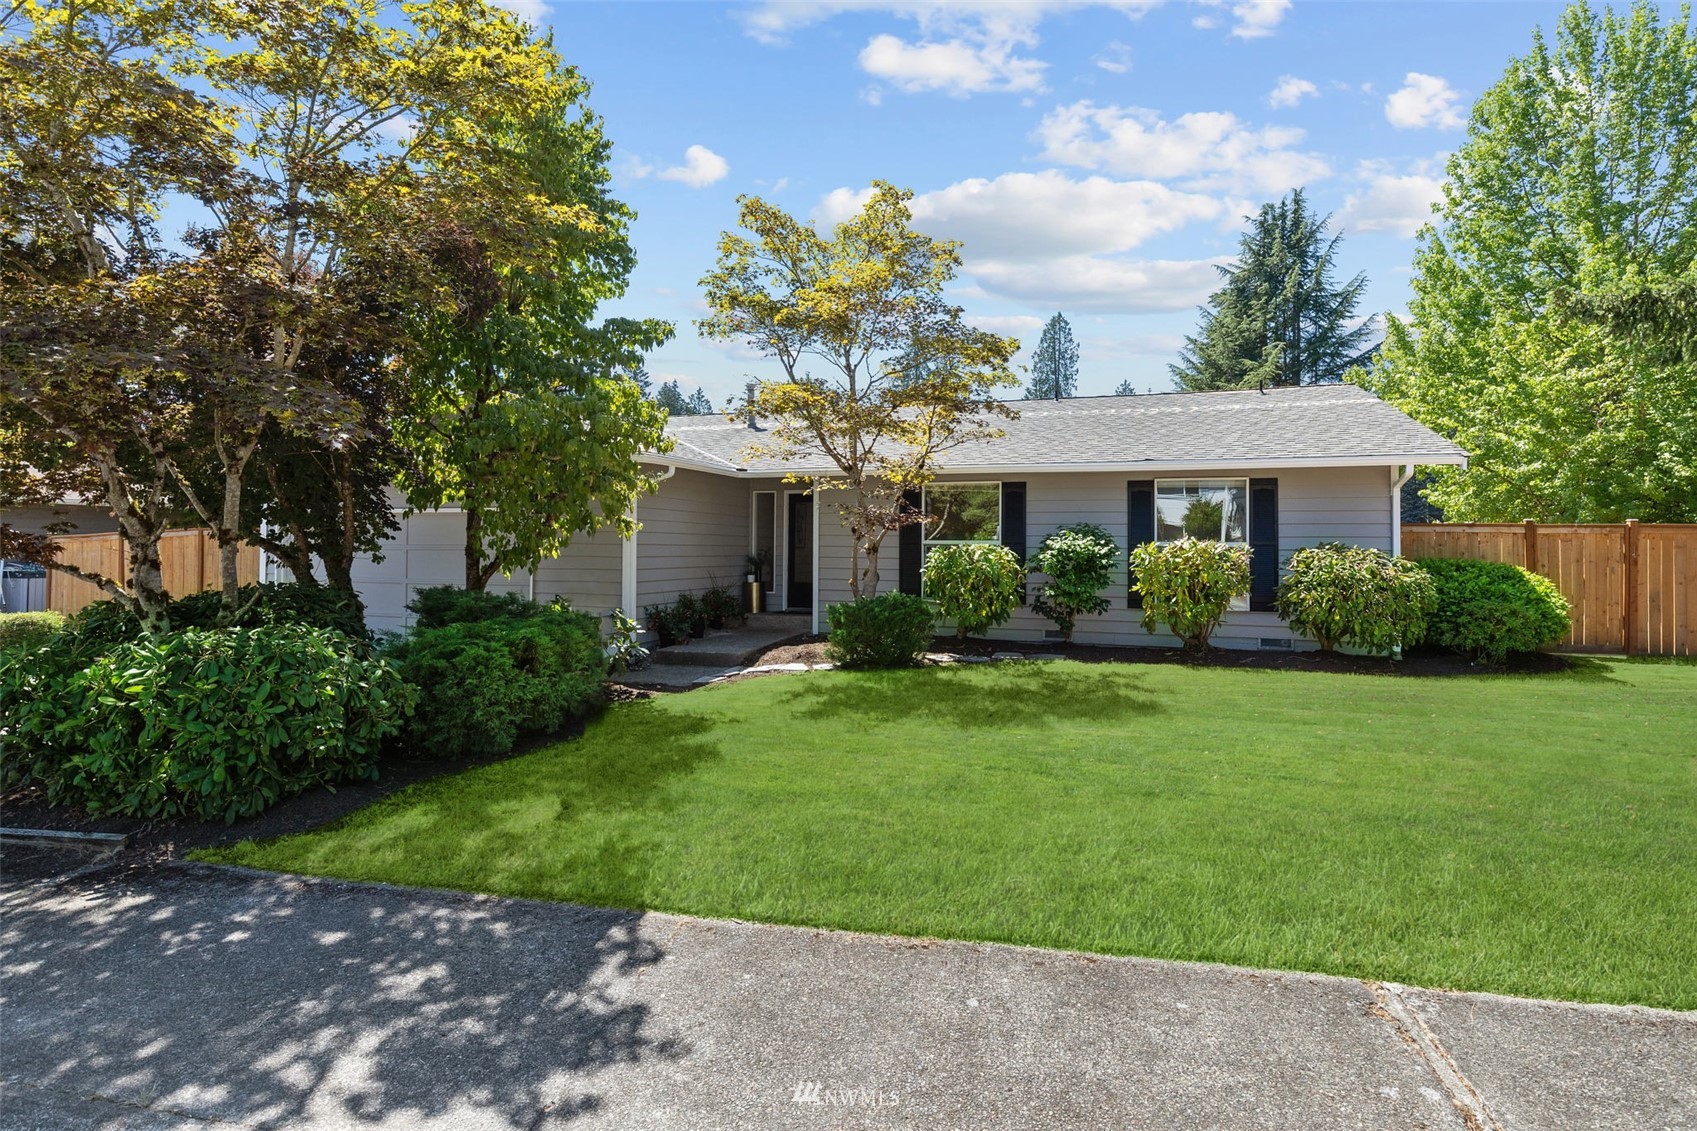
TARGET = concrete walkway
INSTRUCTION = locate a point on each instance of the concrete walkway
(187, 996)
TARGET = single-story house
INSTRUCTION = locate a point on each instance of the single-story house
(1276, 470)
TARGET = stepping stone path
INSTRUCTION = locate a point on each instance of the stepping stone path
(930, 658)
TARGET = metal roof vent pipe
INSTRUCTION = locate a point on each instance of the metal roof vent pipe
(748, 390)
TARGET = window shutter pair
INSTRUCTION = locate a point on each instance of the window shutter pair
(910, 548)
(1263, 537)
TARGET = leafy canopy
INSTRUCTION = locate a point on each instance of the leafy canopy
(1551, 327)
(881, 374)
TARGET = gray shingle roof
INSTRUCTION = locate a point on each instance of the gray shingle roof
(1280, 427)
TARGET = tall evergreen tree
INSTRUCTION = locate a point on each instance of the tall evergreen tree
(1054, 367)
(1280, 318)
(1125, 389)
(672, 398)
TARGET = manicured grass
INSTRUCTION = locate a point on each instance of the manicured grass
(1527, 835)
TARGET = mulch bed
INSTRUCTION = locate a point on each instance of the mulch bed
(1415, 662)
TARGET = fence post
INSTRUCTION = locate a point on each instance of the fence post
(1629, 632)
(1529, 543)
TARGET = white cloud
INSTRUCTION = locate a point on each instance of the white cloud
(956, 66)
(964, 46)
(1030, 216)
(1094, 283)
(1007, 325)
(1396, 201)
(1058, 241)
(1251, 19)
(1115, 58)
(532, 12)
(1205, 150)
(701, 167)
(1290, 91)
(1424, 100)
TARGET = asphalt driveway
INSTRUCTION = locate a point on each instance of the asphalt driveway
(183, 996)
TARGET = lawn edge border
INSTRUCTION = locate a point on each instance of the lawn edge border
(1369, 985)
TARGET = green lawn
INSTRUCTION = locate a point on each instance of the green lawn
(1526, 835)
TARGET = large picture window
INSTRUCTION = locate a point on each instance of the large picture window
(963, 512)
(1214, 510)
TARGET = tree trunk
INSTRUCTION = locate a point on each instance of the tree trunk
(147, 586)
(229, 543)
(476, 572)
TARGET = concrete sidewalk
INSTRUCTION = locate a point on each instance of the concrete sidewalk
(188, 996)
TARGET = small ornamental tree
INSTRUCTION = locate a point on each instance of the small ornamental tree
(1356, 596)
(1078, 561)
(976, 585)
(1188, 585)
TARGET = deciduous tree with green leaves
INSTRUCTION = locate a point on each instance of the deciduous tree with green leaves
(901, 376)
(1544, 331)
(1280, 317)
(1054, 367)
(519, 405)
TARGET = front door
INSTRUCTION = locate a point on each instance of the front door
(799, 594)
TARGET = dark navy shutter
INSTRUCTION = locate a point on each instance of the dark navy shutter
(1139, 527)
(908, 554)
(1263, 543)
(1013, 523)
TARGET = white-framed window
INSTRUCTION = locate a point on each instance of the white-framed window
(962, 513)
(1214, 510)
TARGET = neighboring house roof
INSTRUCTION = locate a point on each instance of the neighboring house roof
(1313, 426)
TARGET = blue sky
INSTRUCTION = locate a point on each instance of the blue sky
(1094, 158)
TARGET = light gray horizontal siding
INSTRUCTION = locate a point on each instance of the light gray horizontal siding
(1351, 505)
(694, 535)
(35, 520)
(428, 550)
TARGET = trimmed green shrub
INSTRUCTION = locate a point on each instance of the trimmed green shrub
(722, 607)
(976, 585)
(442, 605)
(202, 724)
(1356, 596)
(1488, 610)
(485, 683)
(888, 631)
(98, 628)
(1188, 585)
(689, 610)
(25, 632)
(1079, 562)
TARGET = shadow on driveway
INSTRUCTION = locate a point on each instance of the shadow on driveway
(209, 994)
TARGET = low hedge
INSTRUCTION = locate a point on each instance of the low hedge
(1356, 596)
(977, 585)
(1491, 610)
(1188, 584)
(485, 683)
(23, 632)
(98, 628)
(203, 724)
(442, 605)
(889, 631)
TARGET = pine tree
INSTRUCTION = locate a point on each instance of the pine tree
(672, 399)
(699, 403)
(1279, 318)
(1125, 389)
(1054, 367)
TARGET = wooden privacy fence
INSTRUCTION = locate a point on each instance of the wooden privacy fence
(188, 560)
(1633, 586)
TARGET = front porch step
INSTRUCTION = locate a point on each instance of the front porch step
(734, 647)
